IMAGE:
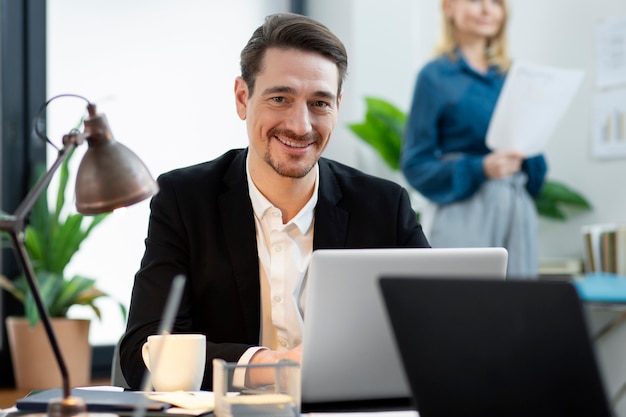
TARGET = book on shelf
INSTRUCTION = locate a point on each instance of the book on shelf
(605, 248)
(608, 251)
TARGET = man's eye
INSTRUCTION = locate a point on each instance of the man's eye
(320, 104)
(278, 99)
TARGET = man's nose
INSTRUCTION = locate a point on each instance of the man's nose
(298, 119)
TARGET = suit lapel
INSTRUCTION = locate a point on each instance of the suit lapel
(240, 235)
(331, 221)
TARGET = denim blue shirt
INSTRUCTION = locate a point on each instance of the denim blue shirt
(444, 142)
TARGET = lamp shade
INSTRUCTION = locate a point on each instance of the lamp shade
(110, 175)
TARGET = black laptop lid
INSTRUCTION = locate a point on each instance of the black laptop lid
(495, 348)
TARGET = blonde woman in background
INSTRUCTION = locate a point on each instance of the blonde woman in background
(481, 197)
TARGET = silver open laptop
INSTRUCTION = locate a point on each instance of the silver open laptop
(348, 350)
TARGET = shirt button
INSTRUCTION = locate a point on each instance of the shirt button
(277, 299)
(283, 342)
(276, 213)
(278, 248)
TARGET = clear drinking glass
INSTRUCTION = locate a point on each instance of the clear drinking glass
(281, 399)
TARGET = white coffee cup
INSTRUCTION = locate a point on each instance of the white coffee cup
(175, 361)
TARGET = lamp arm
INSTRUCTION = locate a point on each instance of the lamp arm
(23, 210)
(15, 226)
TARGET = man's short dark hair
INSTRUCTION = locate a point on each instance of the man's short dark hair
(286, 31)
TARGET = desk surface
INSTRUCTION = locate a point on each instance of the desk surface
(14, 394)
(8, 396)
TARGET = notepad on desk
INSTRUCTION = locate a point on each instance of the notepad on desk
(188, 403)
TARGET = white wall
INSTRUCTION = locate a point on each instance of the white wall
(562, 34)
(389, 41)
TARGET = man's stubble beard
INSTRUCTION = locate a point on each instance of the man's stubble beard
(286, 169)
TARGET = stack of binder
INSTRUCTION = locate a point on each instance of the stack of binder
(605, 248)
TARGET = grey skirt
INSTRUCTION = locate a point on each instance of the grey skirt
(501, 213)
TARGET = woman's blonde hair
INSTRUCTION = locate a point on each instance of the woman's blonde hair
(497, 48)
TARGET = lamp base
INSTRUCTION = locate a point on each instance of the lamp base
(67, 407)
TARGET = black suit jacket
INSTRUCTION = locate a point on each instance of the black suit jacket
(202, 225)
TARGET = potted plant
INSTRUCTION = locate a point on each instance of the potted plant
(383, 128)
(52, 238)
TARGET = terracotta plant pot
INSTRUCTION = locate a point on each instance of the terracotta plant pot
(34, 364)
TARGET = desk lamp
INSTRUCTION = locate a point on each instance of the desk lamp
(110, 176)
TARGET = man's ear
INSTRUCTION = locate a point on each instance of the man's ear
(339, 97)
(241, 97)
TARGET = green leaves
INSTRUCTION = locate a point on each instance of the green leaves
(51, 243)
(383, 128)
(555, 196)
(58, 294)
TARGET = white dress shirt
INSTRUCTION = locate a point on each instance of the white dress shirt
(284, 254)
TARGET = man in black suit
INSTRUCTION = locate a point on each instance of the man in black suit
(242, 227)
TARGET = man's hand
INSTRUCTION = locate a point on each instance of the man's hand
(265, 376)
(501, 164)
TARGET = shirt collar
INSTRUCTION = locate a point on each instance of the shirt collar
(492, 71)
(260, 204)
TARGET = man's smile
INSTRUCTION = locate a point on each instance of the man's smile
(292, 143)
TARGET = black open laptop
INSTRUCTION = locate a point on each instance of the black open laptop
(483, 348)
